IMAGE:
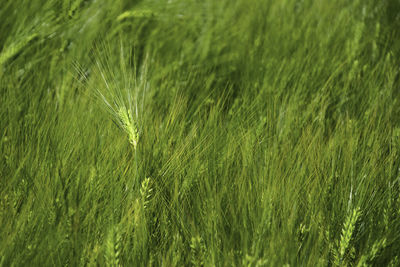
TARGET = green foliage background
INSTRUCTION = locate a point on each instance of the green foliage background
(268, 133)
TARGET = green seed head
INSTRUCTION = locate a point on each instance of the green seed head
(129, 125)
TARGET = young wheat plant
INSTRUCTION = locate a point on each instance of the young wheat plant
(120, 96)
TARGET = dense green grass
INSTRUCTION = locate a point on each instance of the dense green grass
(214, 132)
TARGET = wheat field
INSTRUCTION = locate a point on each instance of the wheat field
(200, 133)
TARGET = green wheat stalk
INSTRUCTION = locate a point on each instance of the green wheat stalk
(15, 48)
(113, 247)
(145, 192)
(128, 124)
(345, 238)
(197, 250)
